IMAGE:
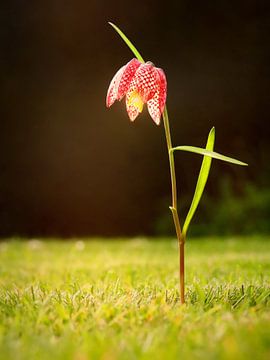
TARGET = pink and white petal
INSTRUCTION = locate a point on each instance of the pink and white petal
(127, 76)
(157, 103)
(153, 106)
(146, 81)
(132, 111)
(162, 89)
(113, 87)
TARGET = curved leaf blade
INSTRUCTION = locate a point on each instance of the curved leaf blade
(201, 182)
(128, 42)
(211, 154)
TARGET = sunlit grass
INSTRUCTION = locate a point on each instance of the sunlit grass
(119, 300)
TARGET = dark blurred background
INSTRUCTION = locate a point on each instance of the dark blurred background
(69, 166)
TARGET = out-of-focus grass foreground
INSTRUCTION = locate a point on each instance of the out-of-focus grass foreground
(103, 299)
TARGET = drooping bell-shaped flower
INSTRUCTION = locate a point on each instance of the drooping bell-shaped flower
(142, 83)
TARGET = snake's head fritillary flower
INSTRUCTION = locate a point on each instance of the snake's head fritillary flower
(141, 83)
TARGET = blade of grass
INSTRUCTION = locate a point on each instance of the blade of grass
(209, 153)
(128, 42)
(201, 182)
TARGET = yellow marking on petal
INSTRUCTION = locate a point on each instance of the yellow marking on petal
(135, 100)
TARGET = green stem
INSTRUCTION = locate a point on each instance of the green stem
(173, 208)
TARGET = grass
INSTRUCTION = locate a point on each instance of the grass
(108, 300)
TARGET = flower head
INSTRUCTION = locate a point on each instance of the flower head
(142, 83)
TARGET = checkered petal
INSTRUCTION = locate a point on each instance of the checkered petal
(127, 77)
(121, 81)
(145, 81)
(157, 103)
(112, 91)
(154, 109)
(133, 111)
(162, 89)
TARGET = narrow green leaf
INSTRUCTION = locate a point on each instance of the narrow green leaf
(209, 153)
(201, 182)
(128, 42)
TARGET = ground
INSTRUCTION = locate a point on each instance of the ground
(118, 299)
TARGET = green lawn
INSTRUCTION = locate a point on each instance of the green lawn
(103, 299)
